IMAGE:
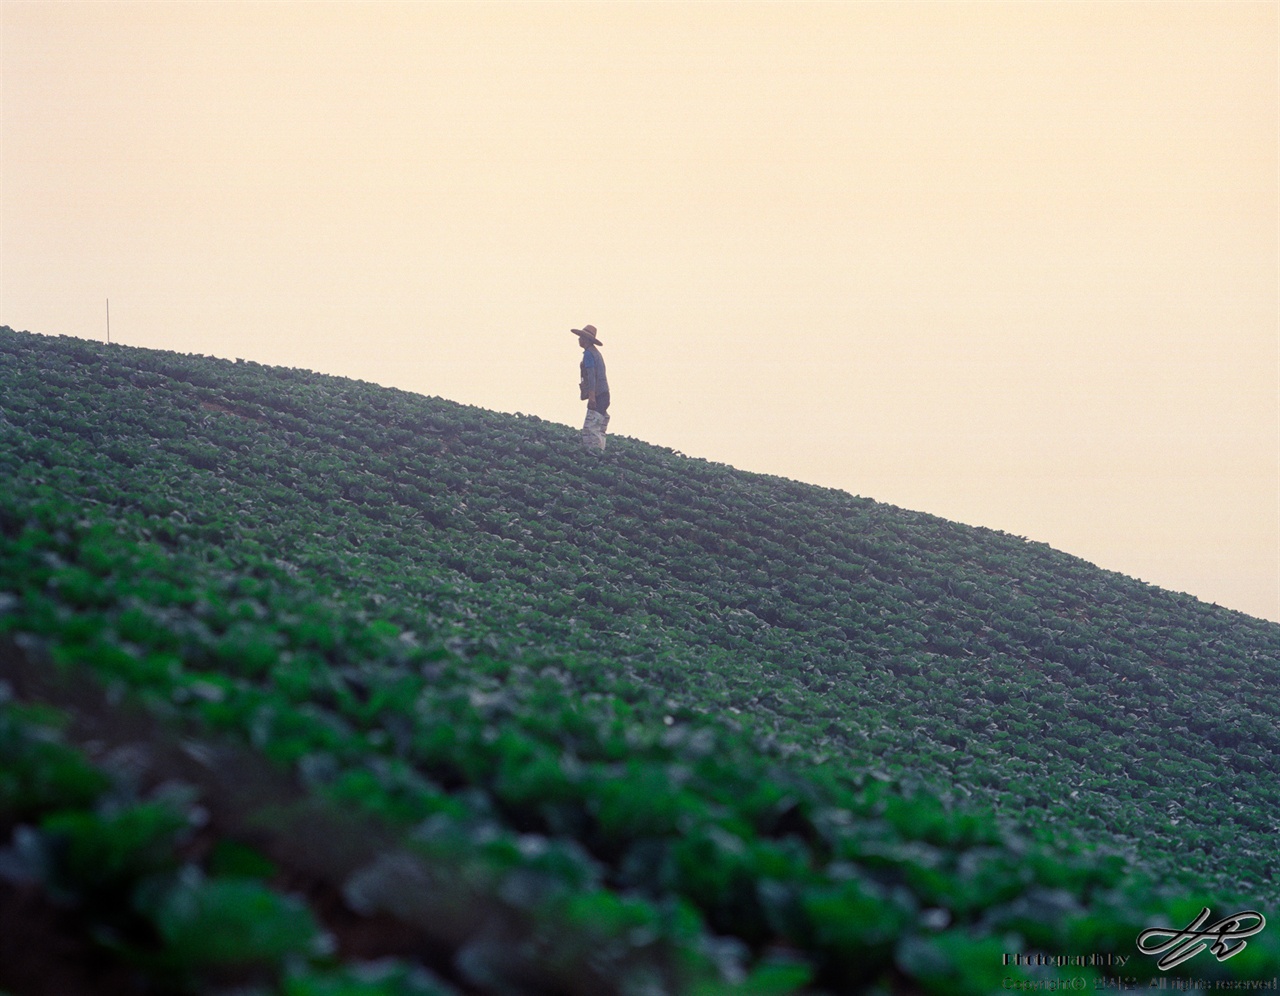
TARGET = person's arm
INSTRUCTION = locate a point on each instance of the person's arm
(589, 365)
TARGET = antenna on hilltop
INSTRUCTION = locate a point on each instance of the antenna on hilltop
(108, 321)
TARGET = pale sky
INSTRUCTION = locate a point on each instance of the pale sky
(1014, 264)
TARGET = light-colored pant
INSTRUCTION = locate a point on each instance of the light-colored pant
(593, 430)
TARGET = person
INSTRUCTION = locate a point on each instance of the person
(594, 389)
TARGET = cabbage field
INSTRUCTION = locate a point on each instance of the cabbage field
(313, 687)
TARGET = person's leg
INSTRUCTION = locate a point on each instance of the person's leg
(593, 430)
(602, 406)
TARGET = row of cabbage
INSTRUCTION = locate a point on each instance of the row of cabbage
(109, 886)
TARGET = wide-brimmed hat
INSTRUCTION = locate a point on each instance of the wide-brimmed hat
(587, 332)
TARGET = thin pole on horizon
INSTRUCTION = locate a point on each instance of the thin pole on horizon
(108, 321)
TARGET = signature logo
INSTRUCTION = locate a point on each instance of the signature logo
(1224, 938)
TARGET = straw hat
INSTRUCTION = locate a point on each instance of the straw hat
(587, 332)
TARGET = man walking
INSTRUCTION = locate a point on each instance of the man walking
(594, 389)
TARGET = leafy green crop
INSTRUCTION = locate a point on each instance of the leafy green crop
(716, 731)
(122, 862)
(231, 922)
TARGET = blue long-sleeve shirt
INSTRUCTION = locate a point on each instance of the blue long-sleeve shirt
(593, 375)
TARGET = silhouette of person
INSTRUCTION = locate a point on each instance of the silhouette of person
(594, 389)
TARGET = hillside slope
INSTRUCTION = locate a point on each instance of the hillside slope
(839, 642)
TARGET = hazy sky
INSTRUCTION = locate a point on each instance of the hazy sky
(1014, 264)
